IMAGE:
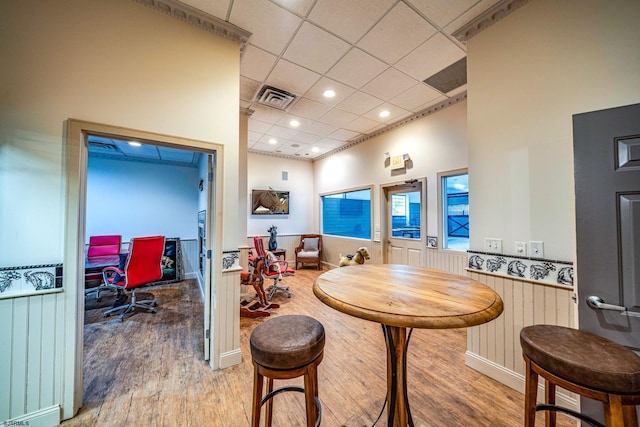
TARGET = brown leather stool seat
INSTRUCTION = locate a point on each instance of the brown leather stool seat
(287, 347)
(583, 363)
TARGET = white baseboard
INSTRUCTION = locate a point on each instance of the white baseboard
(47, 417)
(230, 358)
(515, 380)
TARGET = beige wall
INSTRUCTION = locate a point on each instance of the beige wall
(528, 74)
(115, 62)
(435, 143)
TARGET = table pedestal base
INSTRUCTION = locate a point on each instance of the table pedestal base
(398, 410)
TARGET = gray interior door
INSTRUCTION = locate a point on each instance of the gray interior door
(607, 181)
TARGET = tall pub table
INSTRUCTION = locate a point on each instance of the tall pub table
(400, 298)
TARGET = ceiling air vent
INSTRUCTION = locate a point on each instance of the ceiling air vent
(455, 75)
(274, 97)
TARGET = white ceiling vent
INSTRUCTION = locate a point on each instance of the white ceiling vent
(274, 97)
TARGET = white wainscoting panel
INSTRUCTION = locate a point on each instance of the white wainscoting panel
(451, 261)
(32, 344)
(227, 325)
(497, 343)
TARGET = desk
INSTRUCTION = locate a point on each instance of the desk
(401, 297)
(93, 268)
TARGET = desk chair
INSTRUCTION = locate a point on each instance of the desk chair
(276, 268)
(142, 267)
(105, 248)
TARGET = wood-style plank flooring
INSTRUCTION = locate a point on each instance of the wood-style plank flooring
(149, 370)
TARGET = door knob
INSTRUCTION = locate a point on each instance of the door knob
(598, 303)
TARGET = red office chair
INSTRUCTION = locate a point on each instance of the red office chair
(277, 268)
(142, 267)
(103, 250)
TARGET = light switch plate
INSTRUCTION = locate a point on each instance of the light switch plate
(536, 249)
(521, 248)
(493, 245)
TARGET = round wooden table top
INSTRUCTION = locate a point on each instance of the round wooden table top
(405, 296)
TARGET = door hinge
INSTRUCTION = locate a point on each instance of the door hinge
(207, 334)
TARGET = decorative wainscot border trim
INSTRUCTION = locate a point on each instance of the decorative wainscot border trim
(559, 273)
(30, 280)
(230, 260)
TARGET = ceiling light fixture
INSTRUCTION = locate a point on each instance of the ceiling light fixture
(273, 141)
(315, 149)
(384, 113)
(134, 144)
(294, 123)
(329, 93)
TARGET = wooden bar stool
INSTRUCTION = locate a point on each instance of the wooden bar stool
(282, 348)
(582, 363)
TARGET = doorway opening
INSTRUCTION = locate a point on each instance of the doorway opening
(78, 136)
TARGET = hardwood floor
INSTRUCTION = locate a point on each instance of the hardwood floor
(148, 370)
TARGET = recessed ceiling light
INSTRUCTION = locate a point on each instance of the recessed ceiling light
(329, 93)
(294, 123)
(384, 113)
(315, 149)
(273, 141)
(134, 144)
(295, 145)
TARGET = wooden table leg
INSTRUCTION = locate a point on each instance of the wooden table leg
(399, 413)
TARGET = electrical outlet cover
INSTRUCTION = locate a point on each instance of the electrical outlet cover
(536, 249)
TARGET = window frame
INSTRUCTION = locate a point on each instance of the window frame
(441, 213)
(343, 191)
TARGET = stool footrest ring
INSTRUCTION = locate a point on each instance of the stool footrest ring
(556, 408)
(294, 388)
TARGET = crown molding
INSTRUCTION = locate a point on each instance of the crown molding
(281, 156)
(487, 19)
(199, 19)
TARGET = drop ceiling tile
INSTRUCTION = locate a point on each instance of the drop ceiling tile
(258, 17)
(266, 140)
(431, 103)
(349, 19)
(254, 136)
(282, 132)
(362, 125)
(356, 68)
(394, 113)
(389, 84)
(315, 48)
(305, 138)
(343, 135)
(442, 12)
(286, 119)
(256, 63)
(317, 90)
(414, 98)
(259, 126)
(175, 154)
(292, 78)
(338, 117)
(321, 129)
(216, 8)
(359, 103)
(266, 114)
(309, 108)
(432, 56)
(248, 89)
(299, 7)
(397, 34)
(330, 143)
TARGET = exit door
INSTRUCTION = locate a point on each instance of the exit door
(404, 206)
(607, 184)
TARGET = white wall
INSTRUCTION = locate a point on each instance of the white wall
(528, 74)
(141, 199)
(265, 172)
(119, 63)
(435, 143)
